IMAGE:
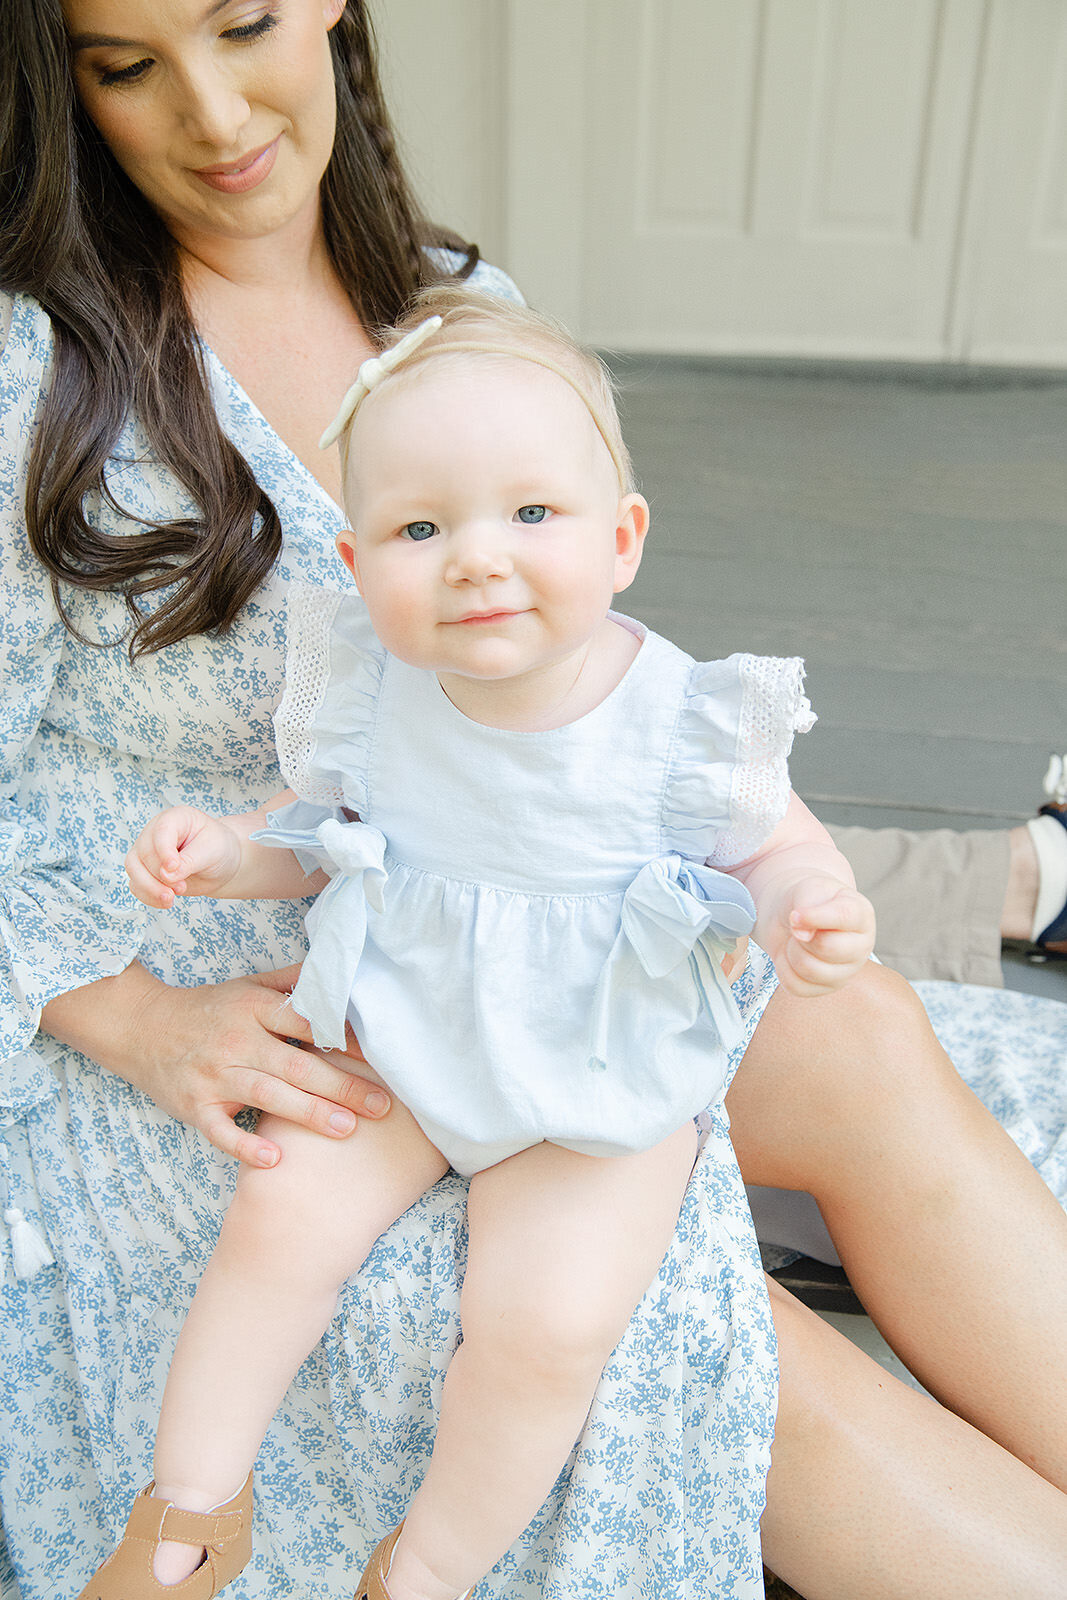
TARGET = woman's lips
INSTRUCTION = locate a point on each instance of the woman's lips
(234, 177)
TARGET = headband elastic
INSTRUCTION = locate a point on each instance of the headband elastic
(374, 370)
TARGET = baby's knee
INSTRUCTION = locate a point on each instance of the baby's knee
(281, 1203)
(548, 1346)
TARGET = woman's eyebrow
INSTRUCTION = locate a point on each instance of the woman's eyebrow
(96, 41)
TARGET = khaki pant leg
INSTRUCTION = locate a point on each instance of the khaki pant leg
(938, 897)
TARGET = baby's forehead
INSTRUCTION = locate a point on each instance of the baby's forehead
(481, 369)
(478, 392)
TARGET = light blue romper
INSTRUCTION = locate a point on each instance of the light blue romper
(521, 927)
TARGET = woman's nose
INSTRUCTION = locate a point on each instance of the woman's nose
(213, 108)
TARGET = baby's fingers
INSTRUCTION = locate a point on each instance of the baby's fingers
(146, 885)
(847, 911)
(833, 948)
(164, 856)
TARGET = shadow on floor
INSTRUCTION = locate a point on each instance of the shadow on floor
(777, 1590)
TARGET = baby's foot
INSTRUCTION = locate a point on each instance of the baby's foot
(173, 1561)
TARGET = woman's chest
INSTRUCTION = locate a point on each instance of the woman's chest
(296, 381)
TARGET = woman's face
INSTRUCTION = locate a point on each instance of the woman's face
(220, 111)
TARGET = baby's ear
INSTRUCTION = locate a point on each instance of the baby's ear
(631, 526)
(346, 549)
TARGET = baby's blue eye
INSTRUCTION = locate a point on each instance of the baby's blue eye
(419, 530)
(532, 513)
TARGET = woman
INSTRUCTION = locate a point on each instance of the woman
(162, 168)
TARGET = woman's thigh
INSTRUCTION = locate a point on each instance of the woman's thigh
(876, 1490)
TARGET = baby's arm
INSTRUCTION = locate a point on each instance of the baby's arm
(810, 918)
(185, 852)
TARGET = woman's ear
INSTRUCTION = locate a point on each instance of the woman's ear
(331, 12)
(346, 549)
(631, 526)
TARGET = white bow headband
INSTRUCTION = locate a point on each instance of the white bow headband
(376, 368)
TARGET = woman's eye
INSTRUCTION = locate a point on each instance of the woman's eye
(532, 513)
(419, 530)
(112, 75)
(253, 30)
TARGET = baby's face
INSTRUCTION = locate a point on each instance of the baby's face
(486, 518)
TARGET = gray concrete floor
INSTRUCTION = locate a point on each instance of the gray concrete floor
(905, 530)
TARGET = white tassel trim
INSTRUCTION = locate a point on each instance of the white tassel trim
(29, 1249)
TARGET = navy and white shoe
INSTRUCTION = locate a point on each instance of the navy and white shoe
(1053, 939)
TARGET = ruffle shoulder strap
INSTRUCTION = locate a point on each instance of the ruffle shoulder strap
(729, 780)
(325, 723)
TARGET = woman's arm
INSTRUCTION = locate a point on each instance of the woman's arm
(810, 918)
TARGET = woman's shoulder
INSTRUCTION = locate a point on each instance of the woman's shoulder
(25, 333)
(484, 277)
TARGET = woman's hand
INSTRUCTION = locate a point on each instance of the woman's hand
(204, 1053)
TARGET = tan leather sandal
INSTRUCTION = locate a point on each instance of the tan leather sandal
(225, 1533)
(372, 1583)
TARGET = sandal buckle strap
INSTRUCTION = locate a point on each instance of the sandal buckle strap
(153, 1519)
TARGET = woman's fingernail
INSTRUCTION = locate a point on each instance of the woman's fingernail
(376, 1103)
(268, 1158)
(342, 1122)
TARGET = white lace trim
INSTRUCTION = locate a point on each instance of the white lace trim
(311, 613)
(773, 708)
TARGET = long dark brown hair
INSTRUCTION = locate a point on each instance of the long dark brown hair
(77, 235)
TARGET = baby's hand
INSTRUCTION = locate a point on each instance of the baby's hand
(182, 851)
(829, 936)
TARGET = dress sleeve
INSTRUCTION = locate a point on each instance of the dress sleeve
(61, 927)
(486, 278)
(326, 721)
(728, 786)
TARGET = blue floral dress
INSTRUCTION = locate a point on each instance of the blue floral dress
(664, 1491)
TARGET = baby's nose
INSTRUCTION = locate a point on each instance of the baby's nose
(477, 556)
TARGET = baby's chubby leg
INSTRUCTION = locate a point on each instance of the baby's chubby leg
(562, 1248)
(292, 1235)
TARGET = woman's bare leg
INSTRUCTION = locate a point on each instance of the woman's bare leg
(878, 1493)
(955, 1245)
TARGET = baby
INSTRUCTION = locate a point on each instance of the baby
(540, 832)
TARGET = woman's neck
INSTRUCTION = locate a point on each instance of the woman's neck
(551, 696)
(277, 316)
(291, 254)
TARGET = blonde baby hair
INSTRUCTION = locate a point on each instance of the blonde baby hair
(467, 322)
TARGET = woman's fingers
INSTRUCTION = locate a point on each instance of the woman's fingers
(310, 1071)
(218, 1126)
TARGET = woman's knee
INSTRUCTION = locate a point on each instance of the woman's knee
(872, 1037)
(838, 1068)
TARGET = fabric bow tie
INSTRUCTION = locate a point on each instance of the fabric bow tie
(353, 853)
(679, 919)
